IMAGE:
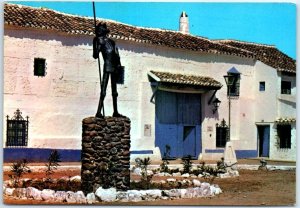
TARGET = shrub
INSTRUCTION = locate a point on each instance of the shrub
(53, 160)
(18, 169)
(143, 164)
(56, 185)
(164, 166)
(187, 164)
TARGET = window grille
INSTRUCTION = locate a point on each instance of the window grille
(234, 90)
(221, 134)
(17, 130)
(284, 134)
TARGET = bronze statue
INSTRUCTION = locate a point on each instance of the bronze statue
(112, 66)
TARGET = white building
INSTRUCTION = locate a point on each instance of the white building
(171, 80)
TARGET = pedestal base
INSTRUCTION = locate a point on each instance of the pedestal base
(105, 153)
(229, 155)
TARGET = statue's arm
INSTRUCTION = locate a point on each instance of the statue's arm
(96, 48)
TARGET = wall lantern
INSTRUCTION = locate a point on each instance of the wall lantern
(216, 104)
(229, 79)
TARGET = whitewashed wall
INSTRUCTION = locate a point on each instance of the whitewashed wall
(271, 104)
(57, 103)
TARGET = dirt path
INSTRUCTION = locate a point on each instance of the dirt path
(250, 188)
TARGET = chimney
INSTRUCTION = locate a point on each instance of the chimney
(184, 23)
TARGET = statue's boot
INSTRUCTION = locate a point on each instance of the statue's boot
(100, 105)
(115, 105)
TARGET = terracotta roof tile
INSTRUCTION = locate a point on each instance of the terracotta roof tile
(202, 81)
(41, 18)
(267, 54)
(285, 120)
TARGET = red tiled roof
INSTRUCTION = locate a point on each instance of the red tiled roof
(285, 120)
(166, 77)
(41, 18)
(267, 54)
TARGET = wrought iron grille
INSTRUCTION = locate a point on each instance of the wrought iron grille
(222, 132)
(17, 130)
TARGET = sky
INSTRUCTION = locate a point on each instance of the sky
(267, 23)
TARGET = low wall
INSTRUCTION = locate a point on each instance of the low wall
(39, 154)
(105, 153)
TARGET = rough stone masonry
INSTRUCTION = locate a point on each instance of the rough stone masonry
(105, 153)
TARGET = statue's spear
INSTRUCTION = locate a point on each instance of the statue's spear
(99, 66)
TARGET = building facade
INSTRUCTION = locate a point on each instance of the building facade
(171, 81)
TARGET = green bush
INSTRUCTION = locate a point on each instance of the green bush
(187, 164)
(18, 169)
(53, 160)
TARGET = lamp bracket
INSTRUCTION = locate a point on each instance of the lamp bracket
(154, 93)
(213, 95)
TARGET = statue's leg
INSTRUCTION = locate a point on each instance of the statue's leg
(102, 94)
(114, 95)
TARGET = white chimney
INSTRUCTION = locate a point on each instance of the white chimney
(184, 23)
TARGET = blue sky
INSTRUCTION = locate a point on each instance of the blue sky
(268, 23)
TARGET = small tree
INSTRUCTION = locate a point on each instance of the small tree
(164, 165)
(143, 164)
(187, 164)
(18, 169)
(53, 160)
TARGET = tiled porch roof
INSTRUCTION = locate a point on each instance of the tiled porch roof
(166, 77)
(42, 18)
(285, 120)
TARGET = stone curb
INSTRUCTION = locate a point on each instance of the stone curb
(111, 195)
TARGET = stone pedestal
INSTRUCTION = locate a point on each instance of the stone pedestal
(229, 154)
(105, 153)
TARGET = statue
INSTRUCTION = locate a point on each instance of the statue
(112, 66)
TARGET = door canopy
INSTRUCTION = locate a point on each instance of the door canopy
(183, 83)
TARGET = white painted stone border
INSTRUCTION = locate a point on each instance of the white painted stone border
(111, 195)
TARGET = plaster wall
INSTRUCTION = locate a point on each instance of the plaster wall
(71, 89)
(271, 104)
(278, 153)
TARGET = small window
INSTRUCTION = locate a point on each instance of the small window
(286, 87)
(39, 67)
(284, 134)
(262, 86)
(221, 134)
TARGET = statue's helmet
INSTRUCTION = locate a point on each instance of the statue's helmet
(101, 29)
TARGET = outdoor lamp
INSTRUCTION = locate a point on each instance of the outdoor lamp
(216, 104)
(229, 79)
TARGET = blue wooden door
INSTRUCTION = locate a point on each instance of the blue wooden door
(263, 140)
(177, 124)
(166, 127)
(266, 141)
(189, 141)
